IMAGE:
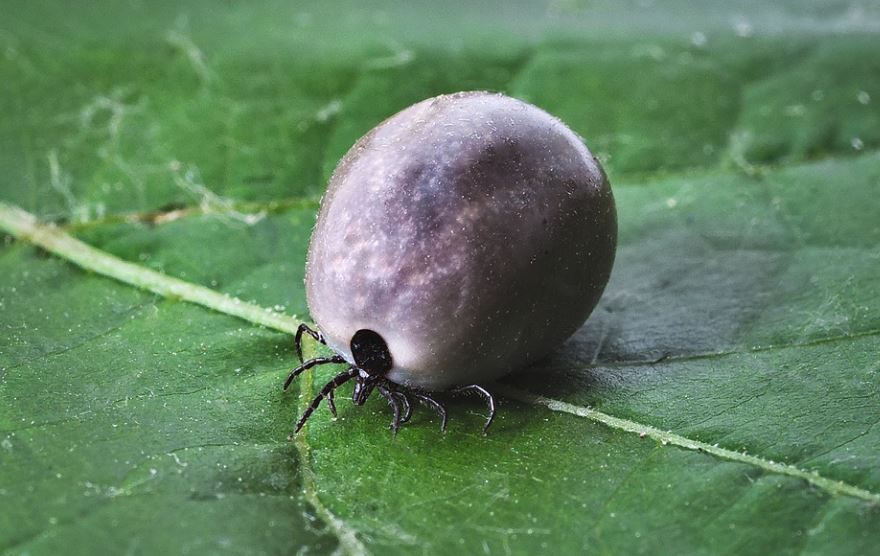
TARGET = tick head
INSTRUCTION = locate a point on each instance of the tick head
(370, 353)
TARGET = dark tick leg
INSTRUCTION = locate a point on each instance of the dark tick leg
(330, 403)
(438, 407)
(395, 405)
(297, 339)
(309, 364)
(337, 381)
(405, 402)
(490, 401)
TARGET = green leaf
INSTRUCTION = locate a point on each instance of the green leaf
(722, 398)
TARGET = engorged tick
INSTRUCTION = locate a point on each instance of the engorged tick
(460, 240)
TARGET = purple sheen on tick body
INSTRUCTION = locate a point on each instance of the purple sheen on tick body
(473, 232)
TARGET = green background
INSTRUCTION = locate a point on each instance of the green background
(196, 138)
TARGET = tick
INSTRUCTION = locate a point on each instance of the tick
(460, 240)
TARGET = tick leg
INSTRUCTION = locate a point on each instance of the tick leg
(297, 339)
(395, 405)
(330, 403)
(438, 407)
(309, 364)
(405, 402)
(490, 401)
(337, 381)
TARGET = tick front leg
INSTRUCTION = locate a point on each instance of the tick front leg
(309, 364)
(297, 339)
(331, 404)
(325, 392)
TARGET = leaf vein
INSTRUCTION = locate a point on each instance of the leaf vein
(25, 226)
(666, 437)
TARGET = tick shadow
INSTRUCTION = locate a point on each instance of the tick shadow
(676, 295)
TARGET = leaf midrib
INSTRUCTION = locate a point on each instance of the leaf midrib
(25, 226)
(668, 437)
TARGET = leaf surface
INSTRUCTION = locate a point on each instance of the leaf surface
(722, 398)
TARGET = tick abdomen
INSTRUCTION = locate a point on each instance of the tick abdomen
(473, 232)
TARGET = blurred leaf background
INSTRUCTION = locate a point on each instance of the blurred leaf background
(196, 138)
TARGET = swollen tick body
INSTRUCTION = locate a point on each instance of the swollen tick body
(460, 240)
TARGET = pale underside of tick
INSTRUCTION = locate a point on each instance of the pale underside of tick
(460, 240)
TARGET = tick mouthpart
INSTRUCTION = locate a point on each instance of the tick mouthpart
(363, 387)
